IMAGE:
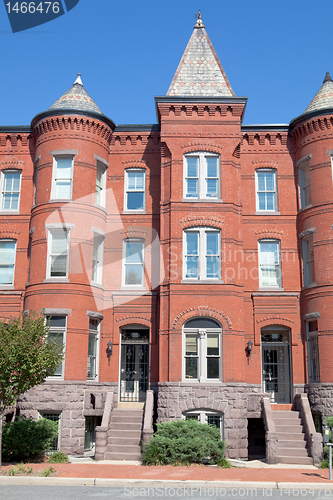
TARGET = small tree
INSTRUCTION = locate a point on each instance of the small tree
(27, 357)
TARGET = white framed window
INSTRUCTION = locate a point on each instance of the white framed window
(202, 176)
(304, 182)
(202, 254)
(205, 416)
(57, 253)
(313, 350)
(7, 261)
(57, 334)
(266, 188)
(100, 184)
(93, 349)
(10, 190)
(135, 180)
(202, 350)
(97, 261)
(308, 260)
(269, 263)
(55, 417)
(62, 181)
(133, 263)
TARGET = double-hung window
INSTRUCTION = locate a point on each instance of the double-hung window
(313, 350)
(10, 190)
(57, 334)
(133, 263)
(7, 261)
(97, 261)
(202, 350)
(266, 190)
(93, 348)
(100, 184)
(135, 189)
(308, 260)
(269, 263)
(304, 181)
(58, 253)
(201, 176)
(202, 254)
(62, 183)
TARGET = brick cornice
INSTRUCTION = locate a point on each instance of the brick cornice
(72, 123)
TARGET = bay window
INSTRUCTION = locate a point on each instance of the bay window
(269, 263)
(201, 176)
(202, 254)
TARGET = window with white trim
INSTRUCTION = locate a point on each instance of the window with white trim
(62, 181)
(211, 417)
(304, 182)
(135, 189)
(266, 190)
(269, 263)
(202, 176)
(202, 344)
(202, 253)
(97, 261)
(133, 263)
(7, 261)
(10, 190)
(313, 350)
(100, 184)
(93, 348)
(57, 334)
(57, 253)
(308, 260)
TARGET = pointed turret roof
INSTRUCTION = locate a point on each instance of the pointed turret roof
(77, 99)
(200, 72)
(323, 98)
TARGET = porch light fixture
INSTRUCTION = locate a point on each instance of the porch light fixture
(109, 349)
(249, 347)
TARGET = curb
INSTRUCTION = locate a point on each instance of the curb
(160, 483)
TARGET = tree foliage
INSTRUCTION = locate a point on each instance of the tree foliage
(27, 356)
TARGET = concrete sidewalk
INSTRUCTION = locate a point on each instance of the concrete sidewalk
(246, 475)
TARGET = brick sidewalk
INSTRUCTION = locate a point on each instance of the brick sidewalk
(194, 473)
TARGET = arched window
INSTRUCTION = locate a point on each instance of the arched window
(202, 346)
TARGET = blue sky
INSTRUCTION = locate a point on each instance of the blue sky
(274, 52)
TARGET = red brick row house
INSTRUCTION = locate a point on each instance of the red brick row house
(192, 257)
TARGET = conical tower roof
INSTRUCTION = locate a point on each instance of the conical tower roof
(323, 98)
(200, 72)
(77, 99)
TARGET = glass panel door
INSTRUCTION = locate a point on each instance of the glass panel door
(134, 365)
(276, 366)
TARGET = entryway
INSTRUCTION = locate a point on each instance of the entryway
(134, 365)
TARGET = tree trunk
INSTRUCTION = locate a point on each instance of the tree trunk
(1, 422)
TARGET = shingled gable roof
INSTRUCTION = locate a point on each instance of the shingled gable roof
(200, 72)
(77, 99)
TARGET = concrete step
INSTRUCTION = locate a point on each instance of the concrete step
(119, 441)
(291, 414)
(287, 421)
(113, 448)
(300, 443)
(128, 405)
(129, 419)
(119, 433)
(295, 460)
(125, 426)
(292, 436)
(127, 413)
(293, 452)
(122, 456)
(288, 429)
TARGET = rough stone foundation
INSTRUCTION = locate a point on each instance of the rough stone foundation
(74, 400)
(321, 399)
(237, 402)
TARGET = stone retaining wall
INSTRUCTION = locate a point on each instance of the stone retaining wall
(237, 402)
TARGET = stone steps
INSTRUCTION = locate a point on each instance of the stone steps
(124, 435)
(292, 445)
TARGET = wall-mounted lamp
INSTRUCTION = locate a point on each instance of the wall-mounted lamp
(249, 347)
(109, 349)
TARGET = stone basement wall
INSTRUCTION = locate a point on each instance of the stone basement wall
(74, 401)
(237, 402)
(321, 399)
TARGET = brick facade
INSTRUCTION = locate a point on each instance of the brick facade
(256, 292)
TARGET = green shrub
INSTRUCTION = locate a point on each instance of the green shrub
(47, 472)
(20, 470)
(26, 439)
(58, 458)
(183, 442)
(324, 464)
